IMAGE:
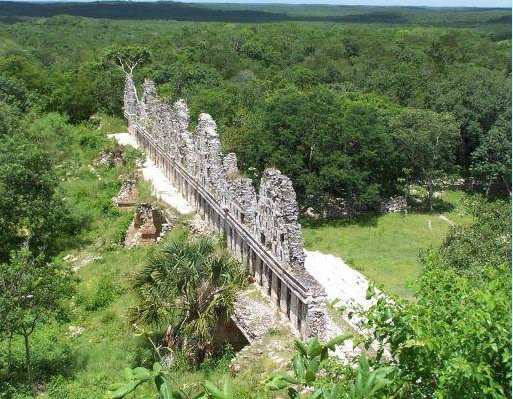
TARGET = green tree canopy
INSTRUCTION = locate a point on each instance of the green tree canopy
(425, 143)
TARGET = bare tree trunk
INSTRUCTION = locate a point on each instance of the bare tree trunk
(489, 186)
(28, 359)
(406, 196)
(9, 355)
(505, 180)
(430, 195)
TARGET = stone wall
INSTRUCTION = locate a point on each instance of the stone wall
(262, 230)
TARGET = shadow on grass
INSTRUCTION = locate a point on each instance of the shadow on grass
(422, 206)
(364, 220)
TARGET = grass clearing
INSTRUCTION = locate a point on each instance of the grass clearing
(386, 248)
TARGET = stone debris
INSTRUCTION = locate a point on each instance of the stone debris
(147, 228)
(109, 158)
(85, 261)
(255, 315)
(393, 204)
(74, 331)
(128, 193)
(199, 226)
(70, 258)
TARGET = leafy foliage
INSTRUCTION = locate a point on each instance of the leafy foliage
(202, 283)
(310, 361)
(455, 339)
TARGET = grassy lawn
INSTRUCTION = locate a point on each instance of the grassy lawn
(385, 248)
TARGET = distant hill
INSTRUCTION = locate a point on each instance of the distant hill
(11, 11)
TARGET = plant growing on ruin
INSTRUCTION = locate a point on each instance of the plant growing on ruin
(309, 370)
(188, 287)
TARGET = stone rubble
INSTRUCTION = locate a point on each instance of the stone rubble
(147, 228)
(128, 193)
(109, 158)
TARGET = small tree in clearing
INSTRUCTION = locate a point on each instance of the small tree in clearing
(426, 143)
(31, 293)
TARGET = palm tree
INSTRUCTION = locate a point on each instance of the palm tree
(189, 287)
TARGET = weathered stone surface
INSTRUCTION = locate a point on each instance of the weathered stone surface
(109, 158)
(147, 227)
(128, 193)
(393, 204)
(277, 224)
(262, 231)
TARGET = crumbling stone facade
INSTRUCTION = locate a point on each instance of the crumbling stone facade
(262, 231)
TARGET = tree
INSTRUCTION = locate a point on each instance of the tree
(476, 97)
(331, 146)
(454, 339)
(31, 211)
(127, 58)
(188, 286)
(468, 249)
(425, 143)
(492, 158)
(31, 292)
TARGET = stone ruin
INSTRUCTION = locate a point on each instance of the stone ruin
(128, 193)
(147, 228)
(393, 205)
(261, 230)
(110, 158)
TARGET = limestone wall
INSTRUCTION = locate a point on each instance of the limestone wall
(262, 230)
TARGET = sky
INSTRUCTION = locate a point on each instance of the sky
(428, 3)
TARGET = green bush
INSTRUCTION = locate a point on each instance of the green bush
(103, 296)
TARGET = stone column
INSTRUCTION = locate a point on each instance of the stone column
(315, 317)
(294, 309)
(265, 277)
(283, 297)
(275, 285)
(258, 270)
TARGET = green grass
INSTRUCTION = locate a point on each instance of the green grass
(386, 248)
(83, 366)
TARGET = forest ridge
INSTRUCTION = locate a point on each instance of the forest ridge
(223, 12)
(352, 111)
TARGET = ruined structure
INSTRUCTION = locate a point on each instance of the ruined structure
(147, 227)
(128, 193)
(261, 230)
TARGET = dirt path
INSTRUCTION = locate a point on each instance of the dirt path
(162, 188)
(340, 282)
(447, 220)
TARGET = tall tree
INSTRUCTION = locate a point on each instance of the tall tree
(127, 58)
(30, 210)
(425, 143)
(491, 160)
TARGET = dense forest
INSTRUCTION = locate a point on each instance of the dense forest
(356, 105)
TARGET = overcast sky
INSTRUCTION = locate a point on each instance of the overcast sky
(431, 3)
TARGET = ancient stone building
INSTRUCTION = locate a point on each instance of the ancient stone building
(262, 231)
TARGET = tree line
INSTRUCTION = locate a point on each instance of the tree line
(348, 112)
